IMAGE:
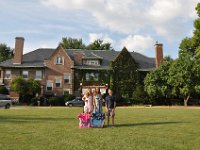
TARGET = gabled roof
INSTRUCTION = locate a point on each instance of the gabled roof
(145, 63)
(32, 59)
(36, 58)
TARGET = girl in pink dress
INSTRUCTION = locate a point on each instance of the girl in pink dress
(88, 99)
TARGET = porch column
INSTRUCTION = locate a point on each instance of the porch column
(72, 81)
(1, 76)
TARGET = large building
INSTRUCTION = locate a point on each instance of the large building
(66, 70)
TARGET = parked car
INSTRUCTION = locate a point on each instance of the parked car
(75, 102)
(5, 101)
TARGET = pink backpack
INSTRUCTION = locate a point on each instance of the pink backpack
(84, 120)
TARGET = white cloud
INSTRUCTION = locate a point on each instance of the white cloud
(138, 43)
(164, 17)
(104, 37)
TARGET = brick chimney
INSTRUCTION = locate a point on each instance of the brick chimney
(159, 54)
(19, 45)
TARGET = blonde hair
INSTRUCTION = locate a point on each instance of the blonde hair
(88, 92)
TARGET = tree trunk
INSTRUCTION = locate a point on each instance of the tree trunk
(185, 102)
(186, 98)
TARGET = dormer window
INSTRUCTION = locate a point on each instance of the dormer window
(91, 62)
(59, 60)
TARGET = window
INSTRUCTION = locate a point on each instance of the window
(25, 74)
(58, 82)
(66, 78)
(59, 60)
(87, 77)
(92, 62)
(92, 76)
(38, 75)
(67, 91)
(49, 86)
(8, 74)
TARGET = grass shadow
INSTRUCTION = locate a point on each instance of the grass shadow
(24, 119)
(146, 124)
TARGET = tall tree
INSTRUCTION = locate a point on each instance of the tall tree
(5, 52)
(99, 45)
(19, 86)
(156, 81)
(72, 43)
(25, 87)
(34, 86)
(186, 47)
(124, 74)
(191, 44)
(181, 77)
(196, 32)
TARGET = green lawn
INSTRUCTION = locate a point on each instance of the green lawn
(136, 128)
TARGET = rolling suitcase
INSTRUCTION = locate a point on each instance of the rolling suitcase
(97, 119)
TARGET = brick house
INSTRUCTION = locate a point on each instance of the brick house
(67, 70)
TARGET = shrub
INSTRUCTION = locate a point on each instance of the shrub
(68, 97)
(43, 101)
(140, 96)
(57, 101)
(4, 90)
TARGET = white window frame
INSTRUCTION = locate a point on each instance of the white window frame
(58, 79)
(24, 73)
(92, 62)
(87, 76)
(59, 60)
(69, 91)
(10, 74)
(92, 74)
(38, 77)
(67, 76)
(49, 82)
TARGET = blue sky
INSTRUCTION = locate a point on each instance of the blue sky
(131, 23)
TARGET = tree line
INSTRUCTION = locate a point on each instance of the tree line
(74, 43)
(179, 77)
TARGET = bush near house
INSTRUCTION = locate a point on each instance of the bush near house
(4, 90)
(60, 100)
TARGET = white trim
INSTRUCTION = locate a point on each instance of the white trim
(58, 78)
(36, 75)
(69, 77)
(67, 89)
(51, 82)
(25, 74)
(10, 74)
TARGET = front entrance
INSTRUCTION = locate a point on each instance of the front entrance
(102, 89)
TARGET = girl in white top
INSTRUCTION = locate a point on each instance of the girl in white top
(88, 99)
(97, 100)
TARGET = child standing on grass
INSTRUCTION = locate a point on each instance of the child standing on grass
(110, 106)
(88, 99)
(97, 100)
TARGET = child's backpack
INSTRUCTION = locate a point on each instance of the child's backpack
(84, 120)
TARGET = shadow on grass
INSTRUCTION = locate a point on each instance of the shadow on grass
(146, 124)
(24, 119)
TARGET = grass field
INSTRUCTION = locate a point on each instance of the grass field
(136, 129)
